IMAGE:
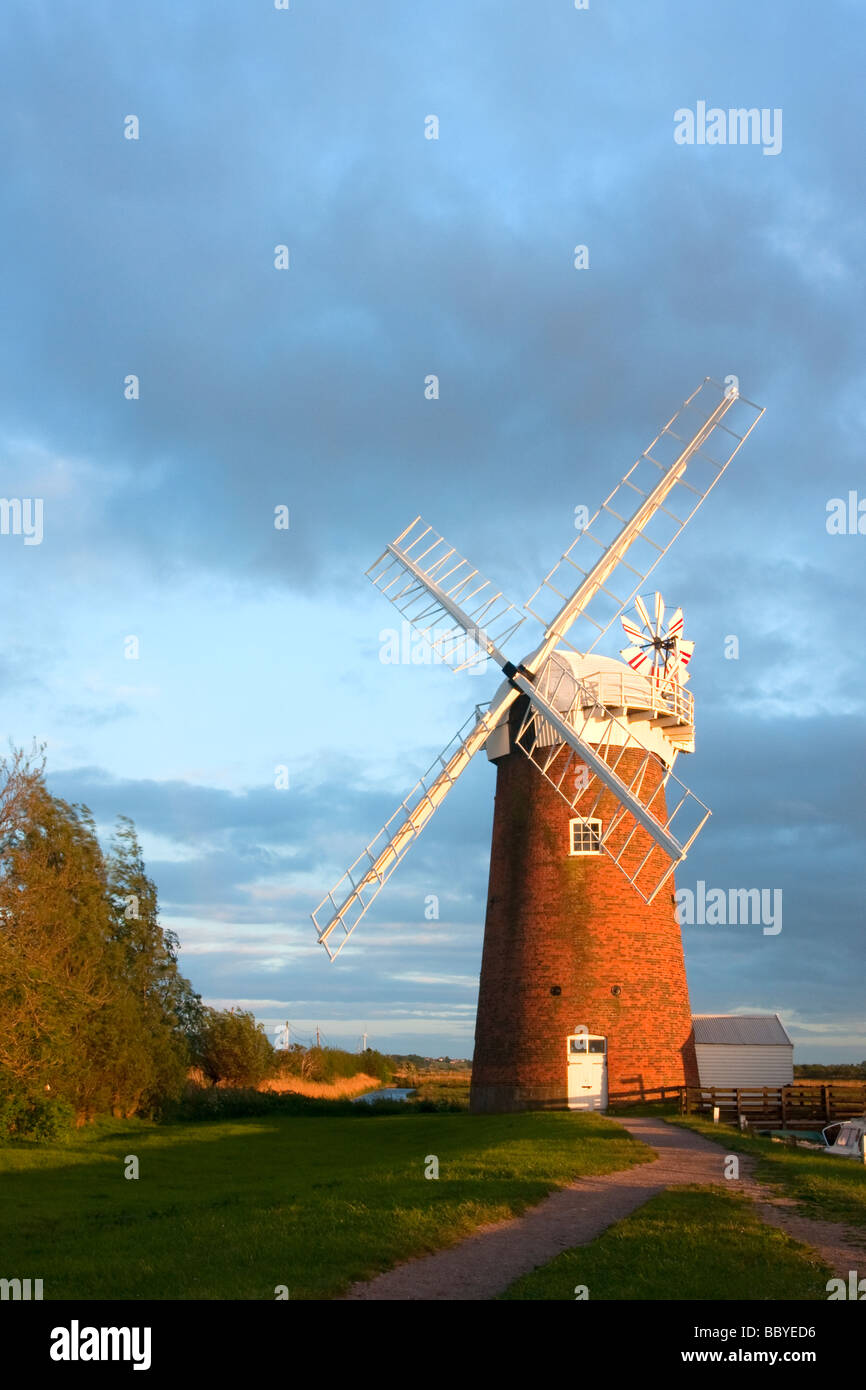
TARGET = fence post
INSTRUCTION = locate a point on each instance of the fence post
(825, 1097)
(738, 1104)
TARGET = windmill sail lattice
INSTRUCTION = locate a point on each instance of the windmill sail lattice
(593, 583)
(691, 453)
(342, 909)
(478, 618)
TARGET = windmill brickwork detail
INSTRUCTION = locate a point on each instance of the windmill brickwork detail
(574, 924)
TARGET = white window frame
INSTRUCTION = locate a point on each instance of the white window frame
(583, 821)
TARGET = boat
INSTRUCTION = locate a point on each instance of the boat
(846, 1139)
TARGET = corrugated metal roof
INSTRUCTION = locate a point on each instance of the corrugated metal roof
(739, 1029)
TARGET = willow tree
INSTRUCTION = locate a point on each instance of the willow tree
(163, 1013)
(93, 1007)
(56, 972)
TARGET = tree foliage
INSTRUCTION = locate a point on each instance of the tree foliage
(93, 1008)
(328, 1063)
(233, 1048)
(838, 1071)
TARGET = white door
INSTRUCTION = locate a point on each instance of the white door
(587, 1071)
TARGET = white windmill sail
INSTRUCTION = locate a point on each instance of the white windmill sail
(341, 910)
(601, 574)
(429, 583)
(463, 616)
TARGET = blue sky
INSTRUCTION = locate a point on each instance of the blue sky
(305, 387)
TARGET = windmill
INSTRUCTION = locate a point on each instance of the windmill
(590, 821)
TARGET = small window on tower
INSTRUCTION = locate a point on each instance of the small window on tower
(585, 836)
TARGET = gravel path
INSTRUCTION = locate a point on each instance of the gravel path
(841, 1247)
(484, 1264)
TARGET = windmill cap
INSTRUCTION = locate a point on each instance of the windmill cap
(670, 711)
(616, 679)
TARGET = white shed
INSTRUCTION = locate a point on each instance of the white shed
(743, 1050)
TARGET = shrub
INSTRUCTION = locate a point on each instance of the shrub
(328, 1064)
(45, 1119)
(233, 1048)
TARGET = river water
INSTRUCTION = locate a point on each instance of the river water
(389, 1093)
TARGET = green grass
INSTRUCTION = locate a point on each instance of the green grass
(231, 1209)
(690, 1243)
(822, 1186)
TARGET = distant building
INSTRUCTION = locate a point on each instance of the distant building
(743, 1050)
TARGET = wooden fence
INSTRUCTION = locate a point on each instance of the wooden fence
(645, 1094)
(797, 1106)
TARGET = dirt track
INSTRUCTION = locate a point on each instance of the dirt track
(486, 1263)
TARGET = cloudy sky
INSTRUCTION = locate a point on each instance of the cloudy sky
(260, 648)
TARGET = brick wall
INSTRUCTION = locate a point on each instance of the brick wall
(573, 923)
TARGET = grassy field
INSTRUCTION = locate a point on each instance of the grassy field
(691, 1243)
(832, 1188)
(231, 1209)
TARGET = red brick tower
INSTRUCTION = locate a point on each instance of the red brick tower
(569, 943)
